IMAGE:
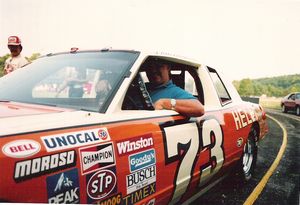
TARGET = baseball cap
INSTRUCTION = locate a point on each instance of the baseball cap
(14, 41)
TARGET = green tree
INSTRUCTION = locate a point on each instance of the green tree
(246, 87)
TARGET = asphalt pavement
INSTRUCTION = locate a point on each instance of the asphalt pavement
(283, 186)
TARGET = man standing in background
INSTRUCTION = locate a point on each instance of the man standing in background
(16, 60)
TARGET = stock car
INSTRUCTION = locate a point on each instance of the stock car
(291, 102)
(63, 143)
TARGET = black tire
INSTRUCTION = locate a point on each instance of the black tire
(247, 163)
(284, 109)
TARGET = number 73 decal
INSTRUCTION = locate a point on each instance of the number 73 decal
(183, 143)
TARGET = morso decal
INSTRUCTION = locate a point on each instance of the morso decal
(135, 144)
(41, 165)
(63, 188)
(96, 157)
(21, 148)
(75, 139)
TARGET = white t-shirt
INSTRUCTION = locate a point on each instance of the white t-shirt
(13, 63)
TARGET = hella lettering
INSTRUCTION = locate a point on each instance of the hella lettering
(134, 144)
(242, 118)
(96, 157)
(41, 165)
(21, 148)
(75, 139)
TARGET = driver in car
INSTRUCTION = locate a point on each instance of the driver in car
(166, 95)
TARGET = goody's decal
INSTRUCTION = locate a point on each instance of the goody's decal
(41, 165)
(96, 157)
(101, 184)
(135, 144)
(140, 178)
(21, 148)
(75, 139)
(141, 160)
(63, 188)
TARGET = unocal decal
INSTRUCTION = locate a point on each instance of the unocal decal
(21, 148)
(75, 139)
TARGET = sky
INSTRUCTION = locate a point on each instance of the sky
(240, 38)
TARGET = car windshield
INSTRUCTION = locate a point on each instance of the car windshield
(83, 80)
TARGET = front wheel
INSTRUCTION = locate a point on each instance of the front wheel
(284, 108)
(248, 160)
(298, 110)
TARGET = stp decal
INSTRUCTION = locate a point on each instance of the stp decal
(63, 188)
(75, 139)
(21, 148)
(96, 157)
(38, 166)
(101, 184)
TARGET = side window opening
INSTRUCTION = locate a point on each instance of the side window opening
(220, 87)
(184, 76)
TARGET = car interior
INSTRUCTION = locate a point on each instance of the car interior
(184, 76)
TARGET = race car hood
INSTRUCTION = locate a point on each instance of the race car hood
(17, 118)
(22, 117)
(12, 109)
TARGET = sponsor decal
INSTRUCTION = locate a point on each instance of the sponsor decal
(140, 178)
(63, 188)
(41, 165)
(141, 160)
(243, 118)
(139, 195)
(113, 200)
(135, 144)
(21, 148)
(96, 157)
(239, 142)
(101, 184)
(75, 139)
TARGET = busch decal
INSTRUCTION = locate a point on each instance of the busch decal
(41, 165)
(140, 178)
(21, 148)
(63, 188)
(101, 184)
(75, 139)
(135, 144)
(96, 157)
(141, 160)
